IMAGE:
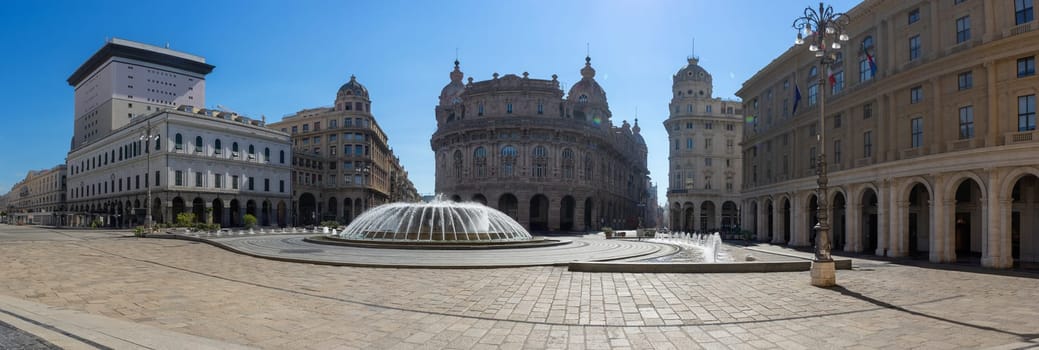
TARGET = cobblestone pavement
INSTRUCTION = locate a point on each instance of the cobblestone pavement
(201, 290)
(14, 338)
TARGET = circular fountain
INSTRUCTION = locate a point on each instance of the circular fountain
(437, 224)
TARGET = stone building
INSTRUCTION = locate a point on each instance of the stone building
(147, 140)
(552, 163)
(39, 198)
(931, 140)
(704, 134)
(343, 163)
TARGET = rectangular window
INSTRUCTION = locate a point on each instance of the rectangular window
(966, 122)
(1023, 11)
(707, 162)
(1025, 67)
(837, 121)
(306, 127)
(867, 144)
(234, 182)
(333, 137)
(332, 124)
(914, 15)
(266, 185)
(867, 111)
(965, 80)
(178, 178)
(811, 157)
(813, 94)
(1026, 113)
(137, 182)
(689, 143)
(917, 132)
(198, 179)
(838, 83)
(836, 151)
(962, 29)
(914, 47)
(865, 73)
(218, 180)
(251, 183)
(916, 94)
(689, 125)
(281, 186)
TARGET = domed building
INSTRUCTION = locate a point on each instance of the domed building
(705, 157)
(517, 144)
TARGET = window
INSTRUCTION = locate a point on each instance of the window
(966, 122)
(178, 178)
(480, 111)
(266, 185)
(916, 94)
(914, 15)
(811, 157)
(234, 182)
(178, 142)
(689, 108)
(198, 179)
(508, 156)
(813, 94)
(962, 29)
(216, 147)
(295, 129)
(836, 151)
(867, 111)
(266, 154)
(707, 143)
(689, 125)
(708, 125)
(837, 121)
(218, 180)
(707, 162)
(1026, 113)
(306, 127)
(541, 108)
(917, 132)
(865, 66)
(1025, 67)
(480, 162)
(689, 143)
(508, 108)
(332, 124)
(540, 161)
(252, 151)
(838, 83)
(707, 108)
(867, 144)
(281, 156)
(251, 182)
(198, 144)
(157, 178)
(813, 71)
(1023, 11)
(457, 164)
(914, 47)
(965, 80)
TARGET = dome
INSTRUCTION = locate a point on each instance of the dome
(438, 221)
(693, 72)
(636, 132)
(449, 95)
(587, 90)
(354, 88)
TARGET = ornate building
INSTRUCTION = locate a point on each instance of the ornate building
(343, 163)
(39, 198)
(552, 163)
(704, 133)
(931, 137)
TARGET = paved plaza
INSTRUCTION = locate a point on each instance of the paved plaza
(91, 289)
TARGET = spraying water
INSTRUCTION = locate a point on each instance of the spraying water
(436, 221)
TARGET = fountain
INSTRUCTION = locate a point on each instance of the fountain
(438, 223)
(708, 245)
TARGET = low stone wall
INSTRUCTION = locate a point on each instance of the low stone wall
(733, 267)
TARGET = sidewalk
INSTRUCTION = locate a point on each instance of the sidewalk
(71, 330)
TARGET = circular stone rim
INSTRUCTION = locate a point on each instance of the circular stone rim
(436, 245)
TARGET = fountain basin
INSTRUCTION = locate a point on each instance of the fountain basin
(435, 245)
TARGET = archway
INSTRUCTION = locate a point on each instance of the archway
(235, 210)
(769, 220)
(753, 220)
(675, 216)
(730, 216)
(456, 198)
(282, 214)
(539, 213)
(1024, 220)
(250, 209)
(348, 210)
(479, 198)
(870, 237)
(588, 203)
(218, 212)
(331, 211)
(566, 213)
(265, 213)
(178, 207)
(307, 209)
(508, 204)
(967, 221)
(688, 217)
(198, 207)
(358, 207)
(838, 231)
(919, 221)
(707, 212)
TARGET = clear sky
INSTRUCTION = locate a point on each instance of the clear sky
(277, 57)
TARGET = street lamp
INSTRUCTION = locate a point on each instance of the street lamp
(147, 138)
(824, 31)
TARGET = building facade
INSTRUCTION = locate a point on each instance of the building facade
(124, 79)
(930, 135)
(39, 199)
(343, 163)
(552, 163)
(705, 158)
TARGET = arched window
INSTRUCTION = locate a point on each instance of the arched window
(234, 149)
(178, 142)
(813, 71)
(588, 167)
(540, 161)
(198, 144)
(568, 163)
(508, 161)
(217, 147)
(266, 154)
(582, 99)
(458, 163)
(158, 142)
(866, 66)
(281, 155)
(480, 162)
(252, 152)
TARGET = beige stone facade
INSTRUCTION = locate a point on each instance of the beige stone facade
(343, 164)
(704, 162)
(39, 198)
(553, 163)
(933, 155)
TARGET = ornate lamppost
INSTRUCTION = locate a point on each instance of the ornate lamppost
(147, 138)
(824, 31)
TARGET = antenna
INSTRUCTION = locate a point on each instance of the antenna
(587, 50)
(694, 47)
(456, 54)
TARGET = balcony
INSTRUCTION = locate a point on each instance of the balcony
(912, 153)
(1020, 137)
(961, 145)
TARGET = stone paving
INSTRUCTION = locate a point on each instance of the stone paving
(197, 289)
(14, 338)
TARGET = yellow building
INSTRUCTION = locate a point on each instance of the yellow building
(39, 198)
(933, 154)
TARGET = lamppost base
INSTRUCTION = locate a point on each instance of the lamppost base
(823, 273)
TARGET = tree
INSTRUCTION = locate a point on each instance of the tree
(249, 220)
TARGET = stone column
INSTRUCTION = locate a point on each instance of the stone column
(523, 210)
(554, 206)
(998, 222)
(939, 217)
(899, 236)
(883, 218)
(579, 216)
(761, 221)
(799, 235)
(778, 223)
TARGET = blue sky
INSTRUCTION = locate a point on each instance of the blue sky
(277, 57)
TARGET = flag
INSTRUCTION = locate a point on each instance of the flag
(833, 78)
(797, 98)
(869, 58)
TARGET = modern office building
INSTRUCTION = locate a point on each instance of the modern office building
(343, 163)
(704, 162)
(552, 163)
(930, 135)
(140, 143)
(39, 199)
